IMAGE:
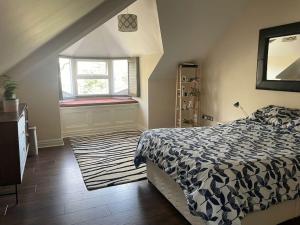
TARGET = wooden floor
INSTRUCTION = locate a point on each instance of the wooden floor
(53, 192)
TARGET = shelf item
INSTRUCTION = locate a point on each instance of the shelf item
(187, 96)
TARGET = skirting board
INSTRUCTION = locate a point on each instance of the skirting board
(142, 128)
(50, 143)
(60, 142)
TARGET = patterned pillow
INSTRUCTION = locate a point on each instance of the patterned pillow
(277, 116)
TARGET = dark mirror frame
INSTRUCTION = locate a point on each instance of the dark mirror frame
(262, 59)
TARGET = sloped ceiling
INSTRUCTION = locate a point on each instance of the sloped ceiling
(78, 29)
(190, 28)
(26, 25)
(107, 41)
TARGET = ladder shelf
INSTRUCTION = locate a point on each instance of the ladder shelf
(187, 96)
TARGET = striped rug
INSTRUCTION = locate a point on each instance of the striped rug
(107, 159)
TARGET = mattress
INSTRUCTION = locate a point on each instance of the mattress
(171, 190)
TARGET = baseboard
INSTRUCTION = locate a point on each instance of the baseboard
(98, 130)
(50, 143)
(141, 128)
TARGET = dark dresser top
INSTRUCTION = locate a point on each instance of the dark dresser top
(12, 116)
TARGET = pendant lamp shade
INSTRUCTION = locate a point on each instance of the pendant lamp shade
(127, 22)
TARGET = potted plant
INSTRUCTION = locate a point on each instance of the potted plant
(10, 102)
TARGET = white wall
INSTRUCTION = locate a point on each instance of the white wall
(37, 75)
(189, 29)
(85, 120)
(230, 69)
(162, 94)
(40, 91)
(147, 65)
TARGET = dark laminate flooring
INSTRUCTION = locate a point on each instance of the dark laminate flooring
(53, 193)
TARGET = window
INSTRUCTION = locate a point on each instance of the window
(66, 77)
(120, 76)
(98, 77)
(91, 77)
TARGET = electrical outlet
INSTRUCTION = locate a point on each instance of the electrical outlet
(207, 117)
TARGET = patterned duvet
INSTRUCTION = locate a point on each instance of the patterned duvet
(232, 169)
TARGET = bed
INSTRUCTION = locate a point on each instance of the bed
(243, 172)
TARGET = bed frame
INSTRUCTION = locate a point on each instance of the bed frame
(172, 191)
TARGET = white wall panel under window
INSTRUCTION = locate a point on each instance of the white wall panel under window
(86, 120)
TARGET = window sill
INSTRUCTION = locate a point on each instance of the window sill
(95, 101)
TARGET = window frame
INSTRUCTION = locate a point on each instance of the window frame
(109, 76)
(76, 76)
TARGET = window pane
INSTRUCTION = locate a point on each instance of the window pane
(120, 77)
(92, 86)
(66, 77)
(91, 68)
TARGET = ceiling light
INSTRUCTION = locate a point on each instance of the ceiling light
(127, 22)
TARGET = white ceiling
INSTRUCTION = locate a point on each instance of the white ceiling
(26, 25)
(189, 28)
(107, 41)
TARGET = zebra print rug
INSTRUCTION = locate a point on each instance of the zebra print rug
(107, 159)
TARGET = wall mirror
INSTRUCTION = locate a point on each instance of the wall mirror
(278, 63)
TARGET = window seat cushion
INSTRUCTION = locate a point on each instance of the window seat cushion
(95, 101)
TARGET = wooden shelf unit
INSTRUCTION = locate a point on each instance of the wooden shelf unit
(187, 96)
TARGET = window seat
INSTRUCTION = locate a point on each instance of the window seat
(95, 101)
